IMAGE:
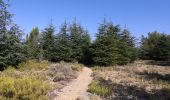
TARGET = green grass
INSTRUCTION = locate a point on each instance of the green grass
(99, 89)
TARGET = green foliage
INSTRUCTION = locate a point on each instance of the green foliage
(72, 43)
(80, 40)
(126, 48)
(5, 17)
(156, 47)
(25, 88)
(104, 49)
(47, 42)
(86, 42)
(63, 45)
(32, 42)
(112, 46)
(12, 51)
(100, 89)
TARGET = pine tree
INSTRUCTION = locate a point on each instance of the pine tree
(32, 42)
(156, 46)
(16, 51)
(86, 41)
(149, 45)
(104, 49)
(162, 48)
(12, 50)
(126, 48)
(47, 42)
(77, 37)
(63, 45)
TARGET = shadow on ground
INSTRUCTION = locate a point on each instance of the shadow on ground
(134, 93)
(156, 76)
(159, 63)
(126, 92)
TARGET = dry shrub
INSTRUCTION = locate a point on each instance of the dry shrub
(61, 72)
(137, 80)
(33, 65)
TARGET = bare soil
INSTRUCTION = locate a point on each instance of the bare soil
(76, 89)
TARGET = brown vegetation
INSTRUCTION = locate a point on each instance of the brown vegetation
(135, 81)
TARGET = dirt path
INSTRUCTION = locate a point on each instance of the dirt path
(77, 88)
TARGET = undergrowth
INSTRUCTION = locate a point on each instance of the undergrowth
(33, 64)
(25, 88)
(100, 89)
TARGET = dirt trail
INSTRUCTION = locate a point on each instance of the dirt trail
(77, 88)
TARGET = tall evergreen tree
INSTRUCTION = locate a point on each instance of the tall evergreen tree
(77, 38)
(86, 42)
(32, 42)
(156, 46)
(16, 51)
(104, 49)
(162, 48)
(47, 42)
(126, 47)
(63, 45)
(149, 44)
(12, 51)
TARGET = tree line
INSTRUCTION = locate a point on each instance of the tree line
(156, 47)
(113, 45)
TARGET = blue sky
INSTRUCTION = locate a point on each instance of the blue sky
(140, 16)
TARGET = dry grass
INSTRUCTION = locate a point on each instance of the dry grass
(136, 81)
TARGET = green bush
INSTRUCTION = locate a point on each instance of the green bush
(99, 89)
(25, 88)
(33, 64)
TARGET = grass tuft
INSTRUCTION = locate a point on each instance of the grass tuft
(99, 89)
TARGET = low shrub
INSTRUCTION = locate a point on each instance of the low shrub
(10, 70)
(100, 89)
(33, 64)
(77, 67)
(25, 88)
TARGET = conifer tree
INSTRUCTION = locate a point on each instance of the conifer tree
(79, 40)
(86, 41)
(104, 49)
(47, 42)
(16, 51)
(126, 47)
(12, 50)
(155, 47)
(63, 45)
(32, 42)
